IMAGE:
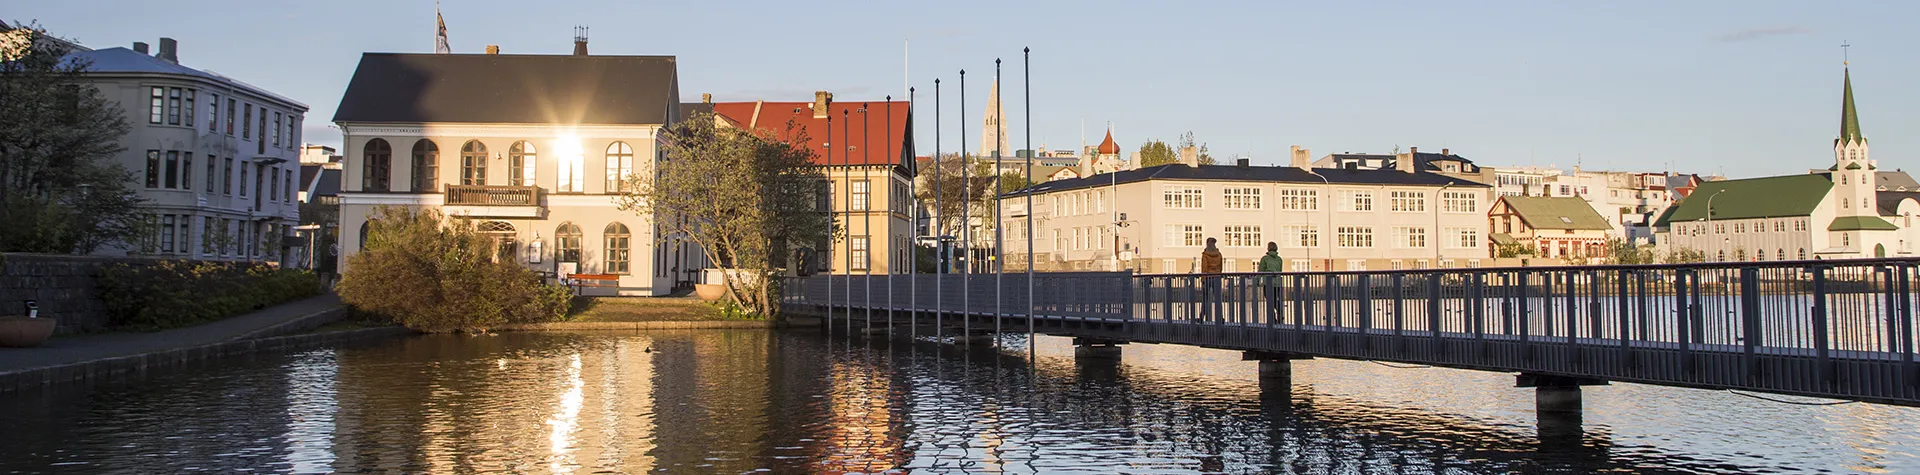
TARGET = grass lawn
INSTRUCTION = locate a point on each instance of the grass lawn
(642, 309)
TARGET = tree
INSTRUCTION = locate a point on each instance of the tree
(1684, 256)
(745, 199)
(1155, 153)
(434, 274)
(1012, 181)
(951, 194)
(1512, 250)
(1621, 251)
(60, 189)
(1186, 140)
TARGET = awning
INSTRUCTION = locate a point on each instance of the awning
(1503, 239)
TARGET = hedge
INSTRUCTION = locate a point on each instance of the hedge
(174, 293)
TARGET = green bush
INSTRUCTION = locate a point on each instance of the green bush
(173, 293)
(431, 274)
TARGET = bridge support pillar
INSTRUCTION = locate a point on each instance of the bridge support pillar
(1096, 349)
(1555, 394)
(1274, 366)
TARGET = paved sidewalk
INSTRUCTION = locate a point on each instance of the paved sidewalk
(83, 348)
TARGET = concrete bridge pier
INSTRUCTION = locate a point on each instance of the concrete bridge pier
(1557, 405)
(1096, 349)
(1274, 366)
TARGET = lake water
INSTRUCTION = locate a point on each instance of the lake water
(800, 402)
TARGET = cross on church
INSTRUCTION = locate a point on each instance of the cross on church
(1844, 59)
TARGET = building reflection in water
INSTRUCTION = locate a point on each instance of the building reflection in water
(311, 408)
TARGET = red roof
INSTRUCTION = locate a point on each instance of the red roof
(1107, 147)
(875, 140)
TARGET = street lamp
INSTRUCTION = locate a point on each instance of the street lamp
(1710, 215)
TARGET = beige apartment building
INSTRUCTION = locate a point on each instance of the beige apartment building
(1156, 220)
(534, 148)
(216, 159)
(868, 171)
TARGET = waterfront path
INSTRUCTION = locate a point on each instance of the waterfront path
(271, 321)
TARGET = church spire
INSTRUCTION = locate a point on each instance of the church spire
(1849, 122)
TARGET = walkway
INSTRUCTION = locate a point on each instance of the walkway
(83, 348)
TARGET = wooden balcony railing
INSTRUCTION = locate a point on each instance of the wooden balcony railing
(491, 195)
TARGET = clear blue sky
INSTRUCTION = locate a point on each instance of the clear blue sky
(1742, 88)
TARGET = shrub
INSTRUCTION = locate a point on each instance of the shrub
(173, 293)
(431, 274)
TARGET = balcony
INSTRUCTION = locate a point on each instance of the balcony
(496, 201)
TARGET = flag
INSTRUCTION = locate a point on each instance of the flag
(440, 37)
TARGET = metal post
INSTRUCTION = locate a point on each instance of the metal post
(827, 258)
(1680, 306)
(999, 239)
(966, 219)
(866, 210)
(940, 264)
(1750, 318)
(1820, 336)
(913, 223)
(847, 172)
(1026, 71)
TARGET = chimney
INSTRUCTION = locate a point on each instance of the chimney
(1444, 151)
(579, 41)
(1190, 156)
(1404, 162)
(493, 49)
(706, 98)
(1300, 158)
(821, 99)
(1244, 162)
(169, 50)
(140, 47)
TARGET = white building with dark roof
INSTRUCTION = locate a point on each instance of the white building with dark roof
(215, 158)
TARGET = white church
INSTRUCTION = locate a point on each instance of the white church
(1850, 210)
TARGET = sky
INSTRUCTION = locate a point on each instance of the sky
(1736, 88)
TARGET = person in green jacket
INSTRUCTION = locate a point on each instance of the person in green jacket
(1272, 263)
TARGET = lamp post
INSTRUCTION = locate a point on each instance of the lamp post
(1328, 202)
(1710, 216)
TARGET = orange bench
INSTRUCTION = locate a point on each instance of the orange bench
(578, 281)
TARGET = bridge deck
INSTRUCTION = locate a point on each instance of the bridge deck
(1836, 329)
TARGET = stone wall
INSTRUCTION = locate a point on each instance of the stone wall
(63, 285)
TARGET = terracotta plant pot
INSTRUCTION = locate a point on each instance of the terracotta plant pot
(21, 332)
(709, 292)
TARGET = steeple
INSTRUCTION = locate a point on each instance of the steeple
(993, 127)
(1849, 122)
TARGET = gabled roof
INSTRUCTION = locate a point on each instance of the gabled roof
(874, 140)
(122, 60)
(1895, 181)
(511, 88)
(1889, 201)
(1861, 223)
(1235, 173)
(1565, 212)
(1769, 197)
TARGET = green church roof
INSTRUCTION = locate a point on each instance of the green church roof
(1849, 121)
(1861, 223)
(1769, 197)
(1853, 166)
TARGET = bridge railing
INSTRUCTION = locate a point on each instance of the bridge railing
(1079, 295)
(1860, 308)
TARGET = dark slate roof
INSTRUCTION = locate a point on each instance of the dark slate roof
(1422, 161)
(1889, 201)
(1234, 173)
(306, 176)
(1769, 197)
(510, 88)
(690, 108)
(327, 185)
(1896, 180)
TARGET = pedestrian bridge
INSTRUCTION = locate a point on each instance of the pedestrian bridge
(1830, 329)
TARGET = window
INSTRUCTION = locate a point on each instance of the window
(857, 245)
(262, 143)
(230, 115)
(1182, 197)
(1295, 199)
(210, 173)
(213, 113)
(1242, 236)
(273, 183)
(376, 160)
(520, 163)
(618, 242)
(157, 109)
(186, 170)
(1185, 235)
(153, 169)
(1780, 255)
(206, 237)
(226, 176)
(1242, 198)
(1410, 237)
(293, 132)
(473, 163)
(860, 195)
(286, 194)
(1303, 237)
(166, 233)
(246, 122)
(1803, 253)
(1302, 265)
(1354, 236)
(1356, 200)
(1464, 238)
(1227, 265)
(187, 120)
(1408, 201)
(1166, 266)
(1458, 202)
(620, 166)
(276, 128)
(1446, 263)
(1356, 264)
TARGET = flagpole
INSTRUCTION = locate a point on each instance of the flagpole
(827, 326)
(1026, 71)
(894, 262)
(999, 257)
(866, 209)
(846, 158)
(940, 264)
(966, 219)
(913, 223)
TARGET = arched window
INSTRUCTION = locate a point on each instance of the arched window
(1803, 254)
(567, 243)
(571, 176)
(619, 165)
(1722, 256)
(1740, 255)
(1843, 179)
(1781, 255)
(473, 163)
(426, 166)
(520, 162)
(505, 247)
(1846, 239)
(377, 160)
(619, 242)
